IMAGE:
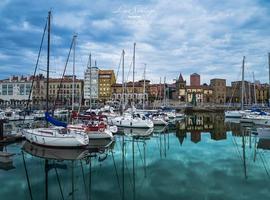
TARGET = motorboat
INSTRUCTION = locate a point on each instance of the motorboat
(38, 115)
(61, 113)
(56, 136)
(95, 126)
(93, 130)
(12, 115)
(132, 121)
(158, 119)
(235, 113)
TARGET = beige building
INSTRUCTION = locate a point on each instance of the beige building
(219, 90)
(105, 80)
(202, 94)
(15, 91)
(139, 94)
(61, 93)
(39, 91)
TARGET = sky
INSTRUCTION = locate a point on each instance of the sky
(208, 37)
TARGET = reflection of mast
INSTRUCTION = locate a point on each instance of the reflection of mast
(244, 154)
(133, 167)
(144, 158)
(116, 173)
(27, 177)
(90, 178)
(123, 168)
(72, 180)
(46, 178)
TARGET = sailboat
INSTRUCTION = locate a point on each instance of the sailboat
(95, 126)
(238, 113)
(58, 135)
(130, 119)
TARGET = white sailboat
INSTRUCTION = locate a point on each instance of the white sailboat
(130, 120)
(238, 113)
(55, 136)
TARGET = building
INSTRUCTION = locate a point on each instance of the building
(234, 93)
(92, 94)
(139, 95)
(181, 88)
(199, 94)
(15, 91)
(219, 90)
(193, 93)
(39, 92)
(106, 78)
(195, 79)
(61, 90)
(262, 93)
(155, 92)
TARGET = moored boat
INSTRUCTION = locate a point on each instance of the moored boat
(56, 137)
(132, 121)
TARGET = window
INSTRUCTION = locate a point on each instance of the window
(21, 89)
(27, 90)
(4, 89)
(10, 89)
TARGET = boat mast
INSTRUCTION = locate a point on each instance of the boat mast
(164, 93)
(133, 83)
(123, 80)
(269, 78)
(254, 87)
(243, 84)
(48, 62)
(144, 85)
(249, 93)
(90, 79)
(73, 75)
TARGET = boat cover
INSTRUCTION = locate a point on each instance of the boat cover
(54, 121)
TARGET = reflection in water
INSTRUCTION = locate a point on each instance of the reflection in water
(216, 161)
(56, 159)
(205, 123)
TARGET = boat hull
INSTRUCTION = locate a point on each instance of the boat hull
(52, 140)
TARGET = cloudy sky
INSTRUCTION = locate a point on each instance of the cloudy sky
(204, 36)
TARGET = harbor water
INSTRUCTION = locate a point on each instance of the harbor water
(202, 157)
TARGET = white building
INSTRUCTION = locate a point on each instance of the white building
(94, 85)
(15, 90)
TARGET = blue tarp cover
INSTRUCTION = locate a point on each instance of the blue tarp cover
(54, 121)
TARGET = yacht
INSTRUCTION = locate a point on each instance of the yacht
(235, 113)
(95, 129)
(132, 121)
(56, 136)
(12, 115)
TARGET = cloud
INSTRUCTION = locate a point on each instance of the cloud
(206, 37)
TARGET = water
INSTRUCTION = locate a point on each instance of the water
(203, 158)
